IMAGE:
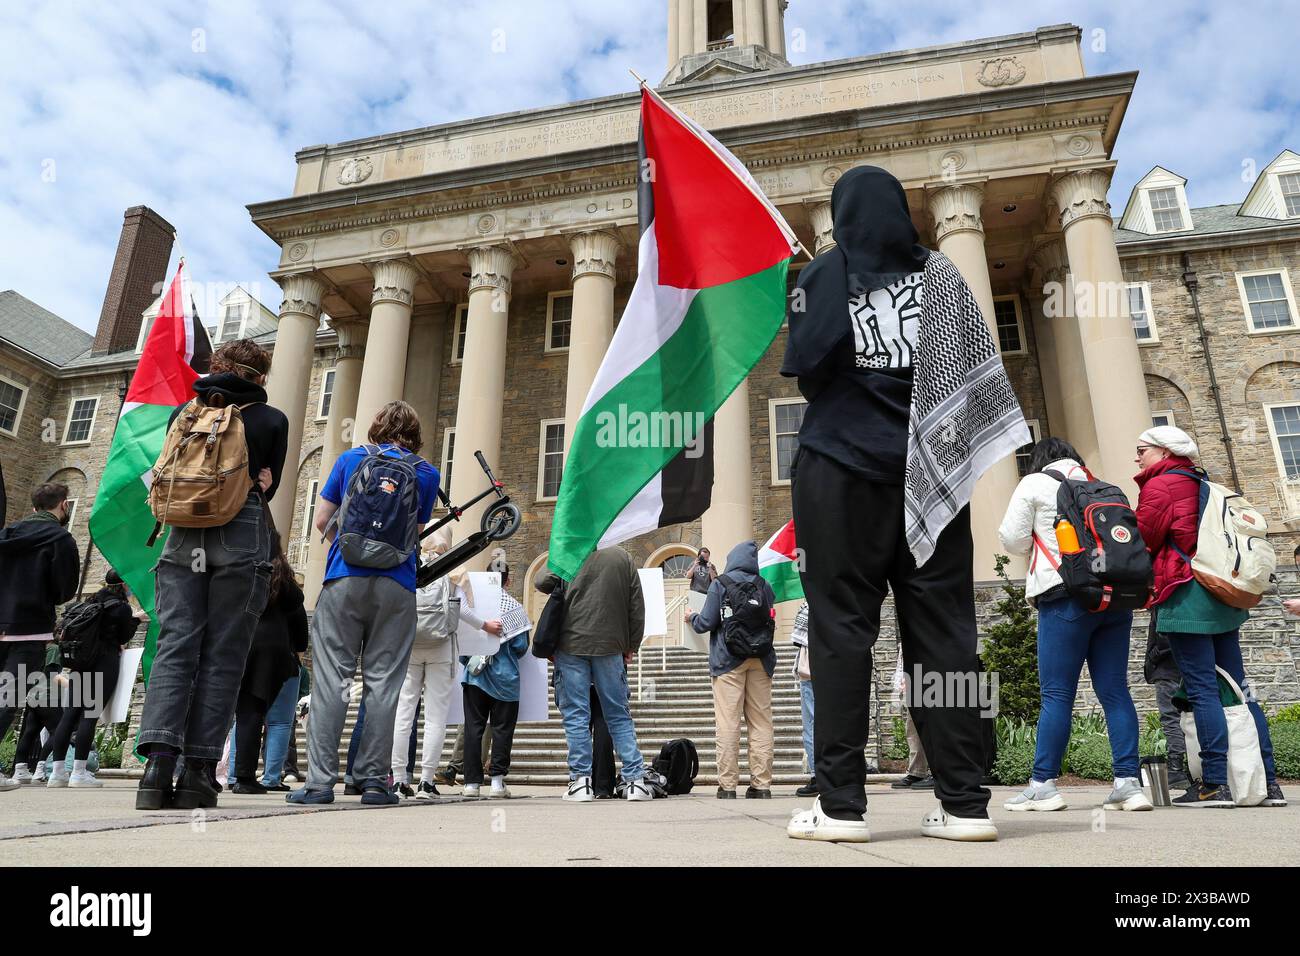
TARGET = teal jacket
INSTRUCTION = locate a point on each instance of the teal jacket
(500, 679)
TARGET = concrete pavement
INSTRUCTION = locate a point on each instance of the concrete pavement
(101, 828)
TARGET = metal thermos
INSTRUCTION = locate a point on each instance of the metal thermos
(1155, 778)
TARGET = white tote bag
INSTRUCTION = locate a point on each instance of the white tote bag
(1246, 776)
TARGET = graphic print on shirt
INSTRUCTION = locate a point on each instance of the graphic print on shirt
(885, 323)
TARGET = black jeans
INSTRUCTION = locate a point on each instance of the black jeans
(20, 663)
(250, 718)
(81, 716)
(602, 751)
(851, 533)
(480, 708)
(211, 586)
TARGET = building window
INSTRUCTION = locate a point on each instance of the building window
(1267, 299)
(12, 398)
(784, 419)
(1284, 426)
(559, 321)
(1166, 213)
(550, 459)
(1011, 329)
(1289, 183)
(448, 453)
(309, 511)
(231, 323)
(72, 513)
(1025, 453)
(326, 394)
(459, 325)
(1139, 310)
(1163, 417)
(81, 419)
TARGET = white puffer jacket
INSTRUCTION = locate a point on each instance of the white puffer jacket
(1031, 513)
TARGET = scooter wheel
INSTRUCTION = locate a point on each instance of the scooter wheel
(501, 521)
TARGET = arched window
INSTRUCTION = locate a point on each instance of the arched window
(677, 565)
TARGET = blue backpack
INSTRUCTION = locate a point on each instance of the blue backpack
(378, 520)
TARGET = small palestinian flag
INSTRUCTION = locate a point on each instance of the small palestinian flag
(175, 354)
(778, 563)
(710, 297)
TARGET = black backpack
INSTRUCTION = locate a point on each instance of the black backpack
(550, 623)
(1112, 571)
(748, 625)
(78, 634)
(678, 763)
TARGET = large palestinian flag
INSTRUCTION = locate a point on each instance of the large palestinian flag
(710, 296)
(175, 354)
(779, 561)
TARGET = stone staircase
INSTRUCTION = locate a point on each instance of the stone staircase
(675, 700)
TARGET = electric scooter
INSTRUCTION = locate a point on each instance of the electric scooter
(500, 521)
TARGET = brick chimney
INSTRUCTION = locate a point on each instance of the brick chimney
(139, 270)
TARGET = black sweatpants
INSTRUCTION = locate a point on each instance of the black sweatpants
(602, 751)
(851, 532)
(480, 708)
(250, 720)
(74, 725)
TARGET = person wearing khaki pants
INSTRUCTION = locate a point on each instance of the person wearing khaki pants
(741, 685)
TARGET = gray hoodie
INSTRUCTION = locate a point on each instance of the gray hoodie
(742, 565)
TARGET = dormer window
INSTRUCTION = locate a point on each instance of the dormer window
(1166, 212)
(1289, 183)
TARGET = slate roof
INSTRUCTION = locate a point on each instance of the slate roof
(1208, 220)
(39, 331)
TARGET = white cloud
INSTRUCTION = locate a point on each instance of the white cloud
(196, 109)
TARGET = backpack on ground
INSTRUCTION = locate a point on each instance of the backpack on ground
(550, 623)
(78, 634)
(378, 520)
(1112, 571)
(652, 781)
(437, 612)
(748, 620)
(1234, 560)
(678, 764)
(201, 477)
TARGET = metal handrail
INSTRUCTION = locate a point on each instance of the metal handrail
(673, 605)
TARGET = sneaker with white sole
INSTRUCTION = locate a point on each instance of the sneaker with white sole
(21, 775)
(58, 778)
(580, 791)
(499, 789)
(38, 775)
(1044, 798)
(637, 790)
(1275, 798)
(815, 825)
(1128, 796)
(943, 825)
(8, 784)
(471, 790)
(83, 778)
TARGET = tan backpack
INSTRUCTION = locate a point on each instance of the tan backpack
(201, 478)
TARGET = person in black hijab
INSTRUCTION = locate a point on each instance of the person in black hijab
(894, 356)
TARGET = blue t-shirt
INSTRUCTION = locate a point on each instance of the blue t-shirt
(337, 484)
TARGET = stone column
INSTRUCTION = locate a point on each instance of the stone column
(383, 376)
(592, 326)
(775, 27)
(290, 378)
(424, 371)
(755, 32)
(959, 233)
(819, 213)
(728, 520)
(482, 380)
(674, 32)
(338, 436)
(739, 28)
(695, 26)
(1120, 407)
(1061, 350)
(1049, 374)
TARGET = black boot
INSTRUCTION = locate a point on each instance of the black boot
(155, 792)
(194, 790)
(1179, 779)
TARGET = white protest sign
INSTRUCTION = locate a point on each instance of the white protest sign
(652, 589)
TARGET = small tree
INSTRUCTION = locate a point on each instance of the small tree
(1011, 649)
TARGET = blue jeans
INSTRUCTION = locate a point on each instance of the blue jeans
(1068, 635)
(1197, 656)
(355, 740)
(574, 678)
(279, 727)
(806, 712)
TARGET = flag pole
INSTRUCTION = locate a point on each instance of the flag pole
(752, 187)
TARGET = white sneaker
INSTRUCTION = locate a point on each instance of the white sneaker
(580, 791)
(38, 775)
(499, 789)
(21, 774)
(815, 825)
(471, 790)
(1129, 796)
(1044, 798)
(59, 778)
(83, 778)
(941, 824)
(8, 784)
(637, 790)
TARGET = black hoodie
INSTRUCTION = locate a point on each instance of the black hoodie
(266, 428)
(39, 570)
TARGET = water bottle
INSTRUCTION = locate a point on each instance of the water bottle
(1155, 778)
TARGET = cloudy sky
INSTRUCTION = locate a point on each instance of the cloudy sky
(196, 109)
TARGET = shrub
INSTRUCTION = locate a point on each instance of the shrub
(1151, 738)
(7, 748)
(108, 744)
(1014, 763)
(1011, 649)
(897, 749)
(1286, 749)
(1287, 715)
(1089, 757)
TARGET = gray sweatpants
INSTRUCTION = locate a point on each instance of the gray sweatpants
(373, 619)
(1170, 716)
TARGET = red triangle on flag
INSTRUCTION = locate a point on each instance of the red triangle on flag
(163, 375)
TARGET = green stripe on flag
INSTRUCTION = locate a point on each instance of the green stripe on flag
(785, 580)
(725, 332)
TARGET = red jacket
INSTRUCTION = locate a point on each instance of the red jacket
(1168, 512)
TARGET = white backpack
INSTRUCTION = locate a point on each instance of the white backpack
(1234, 560)
(437, 612)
